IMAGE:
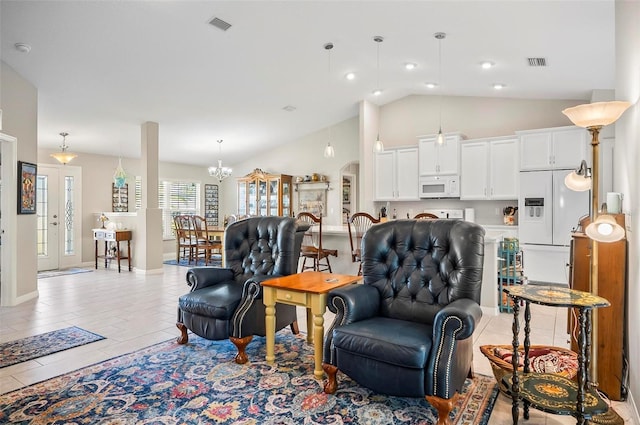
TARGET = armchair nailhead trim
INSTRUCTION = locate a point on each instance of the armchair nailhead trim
(448, 364)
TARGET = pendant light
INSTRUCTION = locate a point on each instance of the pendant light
(220, 172)
(64, 157)
(329, 152)
(378, 146)
(440, 36)
(119, 177)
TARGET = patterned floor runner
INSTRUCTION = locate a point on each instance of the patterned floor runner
(54, 273)
(32, 347)
(199, 383)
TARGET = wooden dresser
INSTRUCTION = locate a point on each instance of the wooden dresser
(612, 285)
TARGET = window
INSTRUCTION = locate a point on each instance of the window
(177, 198)
(174, 198)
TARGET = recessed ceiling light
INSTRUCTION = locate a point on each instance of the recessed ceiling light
(377, 92)
(409, 66)
(22, 47)
(487, 65)
(350, 76)
(499, 86)
(431, 85)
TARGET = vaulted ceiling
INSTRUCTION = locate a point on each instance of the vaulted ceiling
(103, 67)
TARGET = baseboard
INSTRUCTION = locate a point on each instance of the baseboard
(25, 297)
(634, 409)
(148, 272)
(490, 311)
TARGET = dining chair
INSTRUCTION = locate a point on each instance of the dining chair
(185, 240)
(312, 244)
(357, 225)
(205, 244)
(425, 216)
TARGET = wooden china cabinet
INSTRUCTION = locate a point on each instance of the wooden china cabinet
(612, 285)
(264, 194)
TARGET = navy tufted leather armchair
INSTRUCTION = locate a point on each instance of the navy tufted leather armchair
(407, 330)
(227, 302)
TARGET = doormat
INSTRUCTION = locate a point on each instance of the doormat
(32, 347)
(63, 272)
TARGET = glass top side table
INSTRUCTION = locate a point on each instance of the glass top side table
(549, 392)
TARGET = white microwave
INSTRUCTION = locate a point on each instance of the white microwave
(447, 186)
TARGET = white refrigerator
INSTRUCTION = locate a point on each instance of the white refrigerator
(547, 214)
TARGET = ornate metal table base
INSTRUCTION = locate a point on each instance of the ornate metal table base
(549, 392)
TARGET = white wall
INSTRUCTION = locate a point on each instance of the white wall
(299, 158)
(626, 175)
(19, 104)
(97, 176)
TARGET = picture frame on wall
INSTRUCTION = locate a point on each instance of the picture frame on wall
(313, 201)
(27, 177)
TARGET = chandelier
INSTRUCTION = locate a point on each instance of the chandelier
(63, 156)
(220, 172)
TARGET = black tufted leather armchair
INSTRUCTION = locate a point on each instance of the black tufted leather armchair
(227, 302)
(407, 330)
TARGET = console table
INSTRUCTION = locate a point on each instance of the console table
(116, 236)
(550, 392)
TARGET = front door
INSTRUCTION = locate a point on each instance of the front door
(58, 210)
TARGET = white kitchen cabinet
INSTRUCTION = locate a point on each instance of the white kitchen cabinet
(489, 169)
(553, 148)
(396, 175)
(436, 159)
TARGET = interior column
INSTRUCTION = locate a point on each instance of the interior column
(148, 247)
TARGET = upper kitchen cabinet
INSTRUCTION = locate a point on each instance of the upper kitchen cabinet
(489, 169)
(396, 175)
(551, 148)
(439, 159)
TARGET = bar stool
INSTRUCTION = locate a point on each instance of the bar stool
(357, 225)
(312, 245)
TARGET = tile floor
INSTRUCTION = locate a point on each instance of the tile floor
(134, 310)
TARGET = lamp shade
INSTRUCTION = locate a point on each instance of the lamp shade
(329, 152)
(596, 114)
(577, 182)
(378, 146)
(63, 157)
(605, 229)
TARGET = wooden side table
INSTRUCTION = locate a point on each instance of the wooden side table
(116, 236)
(308, 290)
(550, 392)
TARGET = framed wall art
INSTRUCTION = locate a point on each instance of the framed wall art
(27, 175)
(120, 198)
(211, 204)
(313, 201)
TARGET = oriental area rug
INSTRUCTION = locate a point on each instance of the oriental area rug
(199, 383)
(32, 347)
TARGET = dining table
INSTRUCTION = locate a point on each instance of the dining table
(215, 233)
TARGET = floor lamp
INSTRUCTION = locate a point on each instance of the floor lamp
(603, 227)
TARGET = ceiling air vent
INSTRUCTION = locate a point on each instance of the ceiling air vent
(220, 24)
(537, 61)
